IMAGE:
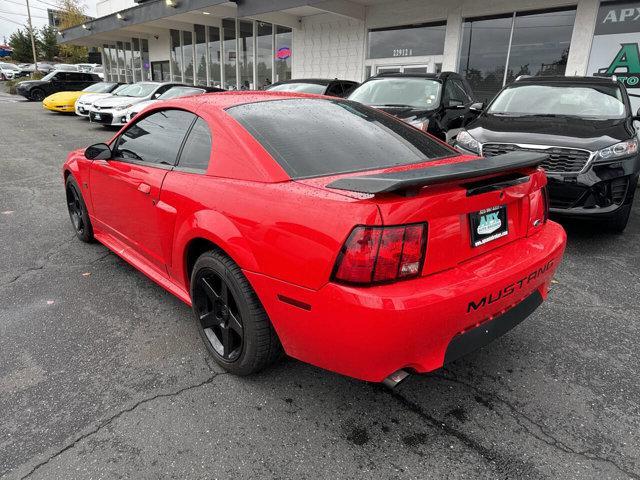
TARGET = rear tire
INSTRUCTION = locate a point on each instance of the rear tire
(37, 95)
(78, 211)
(231, 320)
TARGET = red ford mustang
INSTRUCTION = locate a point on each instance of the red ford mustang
(320, 227)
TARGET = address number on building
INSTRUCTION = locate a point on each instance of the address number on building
(402, 52)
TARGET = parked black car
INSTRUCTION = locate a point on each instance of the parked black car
(55, 81)
(586, 126)
(318, 86)
(438, 103)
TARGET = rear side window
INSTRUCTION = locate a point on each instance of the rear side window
(154, 139)
(197, 148)
(316, 137)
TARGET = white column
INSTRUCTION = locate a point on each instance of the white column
(582, 36)
(452, 40)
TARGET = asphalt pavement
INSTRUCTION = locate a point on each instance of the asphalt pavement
(103, 374)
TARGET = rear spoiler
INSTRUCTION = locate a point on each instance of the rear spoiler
(409, 179)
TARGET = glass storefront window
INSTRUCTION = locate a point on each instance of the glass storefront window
(187, 56)
(146, 66)
(201, 55)
(407, 41)
(264, 54)
(245, 54)
(532, 43)
(483, 56)
(214, 57)
(540, 44)
(137, 65)
(128, 70)
(230, 53)
(106, 64)
(283, 53)
(113, 62)
(176, 56)
(121, 62)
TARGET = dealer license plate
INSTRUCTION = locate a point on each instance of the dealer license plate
(488, 225)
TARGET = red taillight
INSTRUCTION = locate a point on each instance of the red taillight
(545, 199)
(381, 254)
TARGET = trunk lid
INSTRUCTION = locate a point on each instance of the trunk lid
(453, 207)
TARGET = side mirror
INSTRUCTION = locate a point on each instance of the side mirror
(636, 118)
(478, 106)
(156, 95)
(99, 151)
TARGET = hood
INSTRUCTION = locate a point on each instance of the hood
(407, 113)
(116, 101)
(92, 97)
(138, 107)
(31, 83)
(63, 97)
(571, 132)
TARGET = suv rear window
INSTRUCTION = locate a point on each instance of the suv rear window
(317, 137)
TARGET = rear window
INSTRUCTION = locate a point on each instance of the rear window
(317, 137)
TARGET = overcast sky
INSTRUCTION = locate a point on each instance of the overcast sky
(13, 14)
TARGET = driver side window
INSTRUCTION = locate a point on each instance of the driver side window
(154, 139)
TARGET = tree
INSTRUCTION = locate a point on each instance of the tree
(21, 44)
(71, 15)
(48, 43)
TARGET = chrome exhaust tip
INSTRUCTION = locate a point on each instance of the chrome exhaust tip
(395, 378)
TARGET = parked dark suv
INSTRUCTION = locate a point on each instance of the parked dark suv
(438, 103)
(585, 125)
(55, 81)
(319, 86)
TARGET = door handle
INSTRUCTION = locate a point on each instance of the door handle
(144, 188)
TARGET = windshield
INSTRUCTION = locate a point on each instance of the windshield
(314, 137)
(422, 93)
(301, 87)
(137, 90)
(102, 87)
(10, 66)
(591, 101)
(49, 75)
(176, 92)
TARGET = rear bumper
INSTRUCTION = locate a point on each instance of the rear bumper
(369, 333)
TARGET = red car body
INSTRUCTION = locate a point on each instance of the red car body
(286, 235)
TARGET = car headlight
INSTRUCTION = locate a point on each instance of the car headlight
(466, 141)
(420, 124)
(123, 107)
(622, 149)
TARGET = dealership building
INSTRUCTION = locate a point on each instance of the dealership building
(249, 44)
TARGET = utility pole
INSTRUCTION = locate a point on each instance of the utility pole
(33, 40)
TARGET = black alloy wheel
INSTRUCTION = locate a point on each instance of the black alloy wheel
(219, 316)
(37, 95)
(232, 322)
(78, 211)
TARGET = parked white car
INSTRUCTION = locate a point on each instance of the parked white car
(8, 71)
(85, 101)
(99, 70)
(111, 111)
(173, 92)
(66, 67)
(87, 67)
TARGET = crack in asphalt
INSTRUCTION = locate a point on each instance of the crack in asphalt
(550, 439)
(45, 263)
(113, 418)
(45, 260)
(493, 458)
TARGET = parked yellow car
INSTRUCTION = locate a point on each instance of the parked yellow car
(65, 102)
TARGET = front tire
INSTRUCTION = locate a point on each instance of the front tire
(78, 211)
(37, 95)
(231, 320)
